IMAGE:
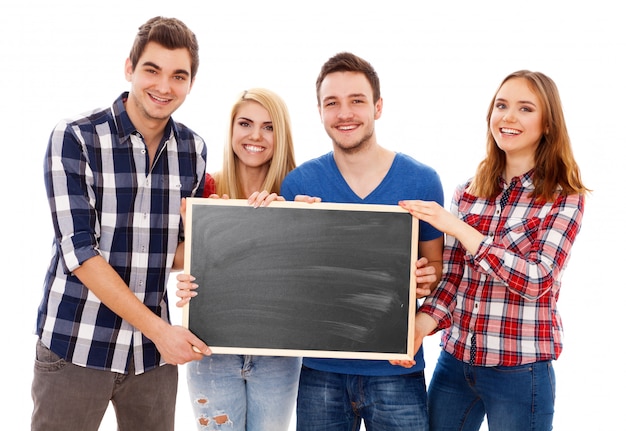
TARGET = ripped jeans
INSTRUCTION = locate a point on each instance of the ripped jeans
(243, 393)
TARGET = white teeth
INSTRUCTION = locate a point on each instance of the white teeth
(253, 148)
(346, 127)
(510, 131)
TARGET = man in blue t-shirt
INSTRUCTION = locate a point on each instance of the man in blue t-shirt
(336, 394)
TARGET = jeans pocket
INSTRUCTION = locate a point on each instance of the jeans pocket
(46, 360)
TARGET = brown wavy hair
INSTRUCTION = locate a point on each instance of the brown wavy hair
(170, 33)
(348, 62)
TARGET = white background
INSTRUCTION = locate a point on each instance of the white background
(439, 64)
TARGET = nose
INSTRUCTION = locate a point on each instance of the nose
(255, 134)
(508, 117)
(345, 112)
(163, 84)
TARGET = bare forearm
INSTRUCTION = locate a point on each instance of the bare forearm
(176, 344)
(108, 286)
(179, 257)
(424, 325)
(467, 235)
(444, 221)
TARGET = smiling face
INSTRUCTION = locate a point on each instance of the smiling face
(159, 85)
(253, 135)
(348, 110)
(516, 120)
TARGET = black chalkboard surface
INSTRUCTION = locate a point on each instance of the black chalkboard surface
(297, 279)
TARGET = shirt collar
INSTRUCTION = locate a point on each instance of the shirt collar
(524, 180)
(125, 126)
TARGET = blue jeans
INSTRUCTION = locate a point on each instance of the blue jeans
(517, 398)
(245, 393)
(337, 402)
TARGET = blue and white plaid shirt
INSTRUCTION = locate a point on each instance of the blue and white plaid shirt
(107, 200)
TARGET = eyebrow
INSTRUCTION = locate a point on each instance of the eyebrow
(252, 121)
(157, 67)
(526, 102)
(350, 96)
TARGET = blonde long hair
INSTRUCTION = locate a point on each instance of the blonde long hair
(283, 159)
(555, 166)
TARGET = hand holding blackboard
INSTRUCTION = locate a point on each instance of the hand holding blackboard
(295, 279)
(185, 288)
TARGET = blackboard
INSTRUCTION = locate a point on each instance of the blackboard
(299, 279)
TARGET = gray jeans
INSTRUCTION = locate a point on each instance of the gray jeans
(68, 397)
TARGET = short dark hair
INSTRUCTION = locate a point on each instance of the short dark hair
(170, 33)
(348, 62)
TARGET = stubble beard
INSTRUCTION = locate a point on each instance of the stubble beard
(155, 115)
(356, 147)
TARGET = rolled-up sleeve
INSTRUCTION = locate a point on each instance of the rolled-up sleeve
(69, 186)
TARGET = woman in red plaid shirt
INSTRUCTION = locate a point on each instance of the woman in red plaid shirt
(509, 233)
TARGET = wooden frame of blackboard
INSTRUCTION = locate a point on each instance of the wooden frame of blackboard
(298, 279)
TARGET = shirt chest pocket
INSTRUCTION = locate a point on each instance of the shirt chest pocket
(183, 186)
(519, 235)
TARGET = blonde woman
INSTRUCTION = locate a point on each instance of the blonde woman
(244, 392)
(259, 151)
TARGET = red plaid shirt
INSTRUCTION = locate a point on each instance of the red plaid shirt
(506, 293)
